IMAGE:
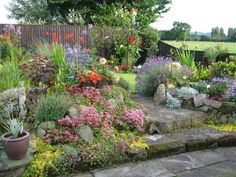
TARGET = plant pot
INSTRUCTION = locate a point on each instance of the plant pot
(211, 61)
(17, 148)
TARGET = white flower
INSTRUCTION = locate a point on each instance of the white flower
(103, 61)
(185, 77)
(121, 46)
(208, 86)
(139, 66)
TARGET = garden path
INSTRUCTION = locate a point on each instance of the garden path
(220, 162)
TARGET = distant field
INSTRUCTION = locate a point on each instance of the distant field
(201, 45)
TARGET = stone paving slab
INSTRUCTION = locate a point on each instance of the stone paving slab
(207, 163)
(150, 168)
(169, 120)
(188, 140)
(224, 169)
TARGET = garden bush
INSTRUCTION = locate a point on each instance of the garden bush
(51, 108)
(11, 76)
(221, 69)
(153, 73)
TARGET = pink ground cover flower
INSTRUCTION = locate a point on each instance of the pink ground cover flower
(135, 117)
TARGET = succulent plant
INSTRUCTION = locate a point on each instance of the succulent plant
(172, 102)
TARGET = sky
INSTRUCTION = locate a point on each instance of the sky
(202, 15)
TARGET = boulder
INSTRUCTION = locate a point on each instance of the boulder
(160, 94)
(212, 103)
(73, 112)
(85, 133)
(198, 100)
(227, 107)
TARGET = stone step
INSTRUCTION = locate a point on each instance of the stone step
(188, 140)
(164, 120)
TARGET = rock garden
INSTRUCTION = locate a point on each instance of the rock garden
(66, 110)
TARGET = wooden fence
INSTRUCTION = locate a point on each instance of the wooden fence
(31, 34)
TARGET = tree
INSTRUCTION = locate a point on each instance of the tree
(101, 12)
(181, 30)
(230, 32)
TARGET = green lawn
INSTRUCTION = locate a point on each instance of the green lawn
(130, 78)
(202, 45)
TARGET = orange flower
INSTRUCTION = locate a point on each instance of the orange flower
(83, 79)
(49, 47)
(69, 35)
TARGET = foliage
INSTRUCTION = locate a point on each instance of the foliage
(211, 53)
(224, 127)
(109, 13)
(185, 91)
(42, 71)
(150, 36)
(216, 89)
(230, 94)
(185, 58)
(51, 108)
(140, 143)
(13, 126)
(181, 30)
(153, 73)
(13, 76)
(221, 69)
(44, 160)
(201, 73)
(172, 102)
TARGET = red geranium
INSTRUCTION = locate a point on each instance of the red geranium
(132, 39)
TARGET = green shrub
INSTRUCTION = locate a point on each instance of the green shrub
(216, 89)
(185, 58)
(11, 76)
(51, 108)
(220, 69)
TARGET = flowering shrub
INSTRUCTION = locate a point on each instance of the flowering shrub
(231, 93)
(135, 118)
(153, 73)
(77, 56)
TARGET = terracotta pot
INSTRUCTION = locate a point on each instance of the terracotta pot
(211, 61)
(17, 148)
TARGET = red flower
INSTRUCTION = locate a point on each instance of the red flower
(93, 69)
(47, 33)
(54, 37)
(69, 35)
(81, 40)
(132, 39)
(83, 79)
(141, 46)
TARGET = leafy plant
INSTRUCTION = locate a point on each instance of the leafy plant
(172, 102)
(11, 76)
(185, 58)
(221, 69)
(153, 73)
(43, 70)
(216, 89)
(185, 91)
(14, 126)
(211, 53)
(51, 108)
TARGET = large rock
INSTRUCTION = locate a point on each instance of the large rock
(228, 108)
(198, 100)
(86, 133)
(73, 112)
(15, 94)
(212, 103)
(160, 94)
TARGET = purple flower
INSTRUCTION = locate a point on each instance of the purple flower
(218, 80)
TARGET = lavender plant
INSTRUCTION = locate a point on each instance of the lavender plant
(153, 73)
